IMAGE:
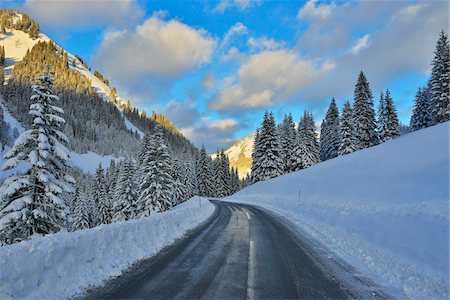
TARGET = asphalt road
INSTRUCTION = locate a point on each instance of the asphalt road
(242, 252)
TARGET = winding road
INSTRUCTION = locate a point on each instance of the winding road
(242, 252)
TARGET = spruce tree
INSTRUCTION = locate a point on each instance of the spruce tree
(421, 117)
(364, 115)
(125, 197)
(156, 186)
(440, 77)
(256, 158)
(204, 174)
(329, 136)
(225, 174)
(391, 126)
(288, 139)
(347, 132)
(307, 148)
(81, 217)
(104, 203)
(381, 124)
(30, 203)
(271, 163)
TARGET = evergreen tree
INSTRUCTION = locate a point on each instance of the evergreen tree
(156, 186)
(256, 158)
(364, 115)
(307, 149)
(391, 126)
(288, 140)
(125, 198)
(30, 203)
(179, 189)
(216, 172)
(104, 203)
(190, 178)
(204, 174)
(329, 134)
(381, 117)
(440, 77)
(81, 217)
(421, 117)
(2, 79)
(270, 164)
(347, 131)
(4, 128)
(225, 175)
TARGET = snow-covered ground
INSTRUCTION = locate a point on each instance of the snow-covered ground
(384, 209)
(64, 264)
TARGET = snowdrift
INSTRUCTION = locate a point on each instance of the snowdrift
(65, 264)
(384, 209)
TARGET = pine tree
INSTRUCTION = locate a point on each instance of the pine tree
(204, 174)
(190, 178)
(288, 139)
(179, 189)
(4, 128)
(125, 197)
(307, 148)
(421, 117)
(30, 203)
(270, 164)
(381, 124)
(391, 126)
(104, 203)
(329, 136)
(81, 217)
(156, 186)
(2, 79)
(216, 171)
(440, 77)
(364, 115)
(225, 174)
(256, 158)
(347, 131)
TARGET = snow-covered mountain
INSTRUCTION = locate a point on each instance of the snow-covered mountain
(240, 154)
(17, 43)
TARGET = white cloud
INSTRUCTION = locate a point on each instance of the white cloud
(241, 5)
(225, 124)
(267, 78)
(235, 30)
(233, 54)
(263, 43)
(409, 11)
(157, 49)
(361, 44)
(209, 81)
(81, 14)
(313, 10)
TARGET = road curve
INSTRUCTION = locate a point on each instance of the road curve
(243, 252)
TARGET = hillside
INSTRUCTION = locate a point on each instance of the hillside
(384, 209)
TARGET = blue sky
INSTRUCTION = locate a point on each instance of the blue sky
(214, 67)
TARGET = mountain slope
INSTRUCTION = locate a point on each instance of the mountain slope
(240, 155)
(384, 209)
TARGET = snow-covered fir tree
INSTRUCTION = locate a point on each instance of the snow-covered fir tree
(439, 83)
(389, 127)
(179, 189)
(104, 202)
(346, 131)
(269, 153)
(216, 171)
(156, 185)
(125, 197)
(81, 217)
(329, 134)
(381, 122)
(288, 140)
(364, 115)
(190, 178)
(225, 174)
(307, 148)
(4, 128)
(256, 158)
(30, 202)
(421, 116)
(204, 174)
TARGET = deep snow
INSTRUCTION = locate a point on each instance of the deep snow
(384, 209)
(64, 264)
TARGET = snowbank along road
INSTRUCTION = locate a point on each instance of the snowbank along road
(243, 252)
